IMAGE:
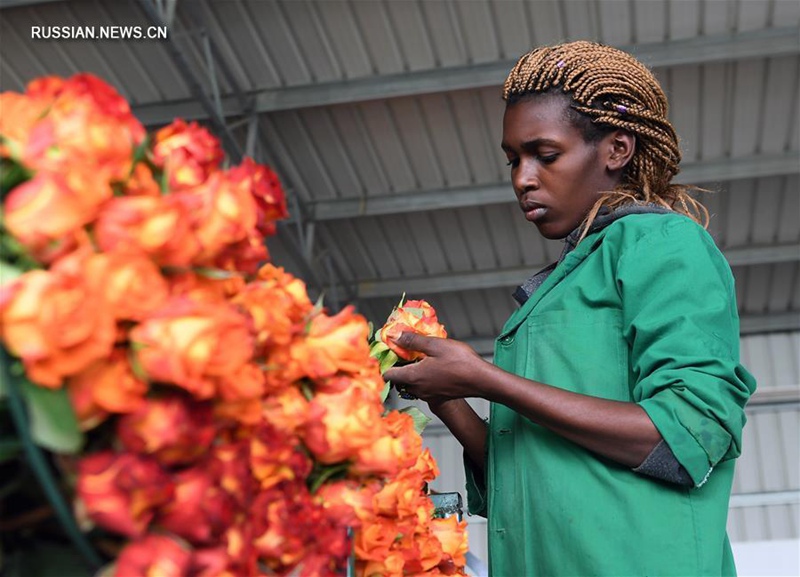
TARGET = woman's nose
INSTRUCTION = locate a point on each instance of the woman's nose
(525, 177)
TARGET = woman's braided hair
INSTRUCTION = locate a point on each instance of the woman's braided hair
(611, 89)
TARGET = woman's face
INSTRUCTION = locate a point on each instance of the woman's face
(557, 176)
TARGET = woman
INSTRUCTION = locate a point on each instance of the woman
(617, 397)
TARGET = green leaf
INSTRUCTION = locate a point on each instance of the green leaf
(388, 360)
(8, 273)
(421, 420)
(385, 392)
(11, 174)
(215, 273)
(377, 349)
(53, 424)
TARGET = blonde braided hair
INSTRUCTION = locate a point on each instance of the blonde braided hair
(612, 90)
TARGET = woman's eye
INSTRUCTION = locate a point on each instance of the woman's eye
(512, 162)
(548, 158)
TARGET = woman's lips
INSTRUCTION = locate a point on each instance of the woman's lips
(533, 211)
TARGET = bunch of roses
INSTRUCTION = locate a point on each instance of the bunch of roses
(247, 429)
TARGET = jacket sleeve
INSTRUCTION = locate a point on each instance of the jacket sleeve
(682, 326)
(477, 503)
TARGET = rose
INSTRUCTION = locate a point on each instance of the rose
(188, 153)
(332, 344)
(416, 316)
(266, 189)
(57, 323)
(157, 226)
(192, 344)
(276, 457)
(174, 430)
(52, 207)
(348, 501)
(121, 492)
(452, 534)
(106, 386)
(20, 113)
(154, 555)
(200, 510)
(131, 282)
(341, 424)
(87, 123)
(396, 447)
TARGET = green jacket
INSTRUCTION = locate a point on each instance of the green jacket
(641, 311)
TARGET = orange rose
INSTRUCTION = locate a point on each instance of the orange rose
(339, 425)
(225, 214)
(332, 344)
(106, 386)
(397, 447)
(426, 466)
(286, 410)
(141, 182)
(191, 344)
(56, 323)
(373, 541)
(347, 501)
(174, 430)
(243, 256)
(415, 317)
(154, 555)
(121, 492)
(131, 282)
(53, 207)
(159, 226)
(187, 152)
(88, 123)
(452, 534)
(199, 288)
(20, 112)
(266, 189)
(422, 552)
(402, 496)
(200, 511)
(277, 303)
(276, 457)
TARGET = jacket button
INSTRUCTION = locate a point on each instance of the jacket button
(508, 339)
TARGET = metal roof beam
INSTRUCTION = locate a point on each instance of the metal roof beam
(500, 193)
(24, 3)
(764, 43)
(511, 277)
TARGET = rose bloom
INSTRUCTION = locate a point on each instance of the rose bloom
(276, 457)
(421, 551)
(141, 182)
(402, 496)
(53, 206)
(88, 122)
(188, 153)
(191, 344)
(106, 386)
(153, 556)
(131, 282)
(159, 226)
(332, 344)
(174, 429)
(243, 256)
(121, 492)
(286, 410)
(278, 302)
(373, 543)
(266, 189)
(200, 510)
(415, 317)
(224, 214)
(197, 287)
(230, 463)
(20, 113)
(396, 447)
(339, 425)
(452, 534)
(56, 323)
(426, 466)
(349, 502)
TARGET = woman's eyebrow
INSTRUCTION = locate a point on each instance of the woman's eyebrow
(530, 144)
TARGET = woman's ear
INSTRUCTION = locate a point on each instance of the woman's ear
(621, 146)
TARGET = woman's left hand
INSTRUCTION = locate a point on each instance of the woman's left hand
(450, 369)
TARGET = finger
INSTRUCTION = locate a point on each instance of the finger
(398, 375)
(417, 342)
